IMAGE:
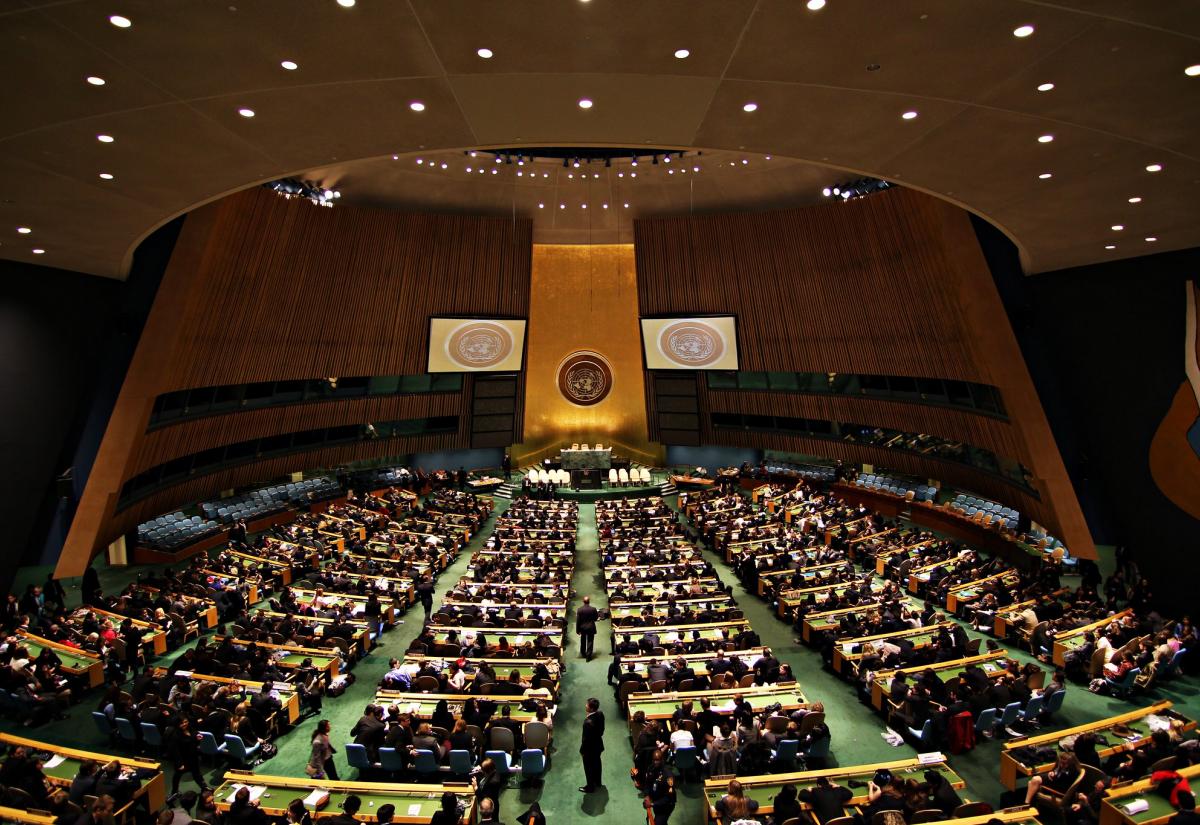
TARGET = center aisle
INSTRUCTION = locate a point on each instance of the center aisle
(559, 796)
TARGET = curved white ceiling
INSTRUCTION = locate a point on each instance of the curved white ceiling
(176, 79)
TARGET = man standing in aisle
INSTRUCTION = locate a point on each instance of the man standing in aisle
(591, 746)
(585, 626)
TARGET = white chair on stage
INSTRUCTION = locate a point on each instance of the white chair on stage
(599, 446)
(613, 477)
(543, 477)
(623, 475)
(645, 473)
(574, 446)
(533, 475)
(564, 477)
(585, 447)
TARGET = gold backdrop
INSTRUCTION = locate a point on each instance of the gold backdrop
(584, 297)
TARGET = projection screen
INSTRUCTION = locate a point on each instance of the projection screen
(476, 344)
(704, 343)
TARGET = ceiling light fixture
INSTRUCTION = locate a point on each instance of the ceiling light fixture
(43, 252)
(1045, 138)
(626, 206)
(246, 112)
(750, 107)
(1192, 71)
(1023, 31)
(606, 206)
(909, 115)
(417, 106)
(486, 54)
(682, 54)
(105, 138)
(541, 206)
(1151, 239)
(585, 103)
(1135, 200)
(346, 4)
(1045, 87)
(24, 230)
(1045, 176)
(1110, 246)
(815, 5)
(1116, 227)
(290, 65)
(120, 22)
(1154, 167)
(447, 166)
(96, 81)
(106, 176)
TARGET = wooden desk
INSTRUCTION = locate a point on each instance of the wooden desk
(415, 804)
(274, 567)
(207, 607)
(502, 666)
(154, 788)
(711, 631)
(815, 623)
(387, 613)
(81, 664)
(1011, 769)
(362, 639)
(286, 690)
(919, 636)
(1160, 809)
(252, 595)
(322, 659)
(663, 705)
(764, 788)
(1072, 639)
(14, 815)
(422, 705)
(697, 661)
(967, 592)
(989, 662)
(152, 635)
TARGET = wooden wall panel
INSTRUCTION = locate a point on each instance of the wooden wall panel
(260, 288)
(891, 284)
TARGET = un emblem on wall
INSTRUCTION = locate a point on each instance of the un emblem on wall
(479, 344)
(691, 343)
(585, 378)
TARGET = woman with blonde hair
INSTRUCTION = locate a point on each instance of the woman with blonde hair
(735, 805)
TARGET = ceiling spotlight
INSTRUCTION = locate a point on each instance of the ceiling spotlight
(606, 206)
(346, 4)
(495, 171)
(695, 168)
(1110, 246)
(584, 206)
(290, 65)
(105, 138)
(1135, 200)
(395, 157)
(837, 191)
(499, 159)
(541, 206)
(744, 161)
(96, 81)
(106, 176)
(1023, 31)
(562, 206)
(246, 112)
(633, 174)
(1151, 239)
(469, 169)
(620, 174)
(826, 191)
(815, 5)
(909, 115)
(1045, 176)
(446, 166)
(417, 106)
(626, 206)
(1154, 167)
(486, 54)
(43, 252)
(585, 103)
(420, 161)
(750, 107)
(1116, 227)
(24, 230)
(682, 54)
(1045, 138)
(575, 164)
(1045, 87)
(120, 22)
(1192, 71)
(670, 171)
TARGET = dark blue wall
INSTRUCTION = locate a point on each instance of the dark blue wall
(711, 457)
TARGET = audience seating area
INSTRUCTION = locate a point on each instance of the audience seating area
(993, 511)
(896, 486)
(269, 499)
(174, 530)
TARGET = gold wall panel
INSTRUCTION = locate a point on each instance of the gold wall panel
(584, 298)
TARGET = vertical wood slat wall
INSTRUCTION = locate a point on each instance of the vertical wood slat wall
(881, 285)
(261, 288)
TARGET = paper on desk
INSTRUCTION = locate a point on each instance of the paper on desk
(931, 758)
(1137, 806)
(55, 761)
(414, 809)
(255, 790)
(316, 798)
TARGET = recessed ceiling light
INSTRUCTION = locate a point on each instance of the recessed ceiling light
(120, 22)
(1045, 176)
(1154, 167)
(750, 107)
(909, 115)
(246, 112)
(626, 206)
(1111, 246)
(105, 138)
(541, 206)
(1045, 87)
(562, 206)
(1116, 227)
(24, 230)
(106, 176)
(682, 54)
(584, 206)
(1023, 31)
(469, 169)
(585, 103)
(1045, 138)
(43, 252)
(290, 65)
(420, 161)
(1151, 239)
(346, 4)
(1135, 200)
(815, 5)
(486, 54)
(417, 106)
(1192, 71)
(96, 81)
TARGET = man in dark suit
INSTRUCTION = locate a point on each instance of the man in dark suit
(591, 746)
(370, 730)
(827, 799)
(585, 626)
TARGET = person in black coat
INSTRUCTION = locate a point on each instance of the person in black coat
(585, 625)
(591, 747)
(827, 799)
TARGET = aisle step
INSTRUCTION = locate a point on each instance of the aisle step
(504, 491)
